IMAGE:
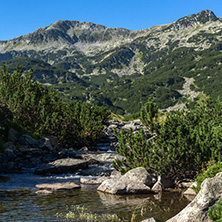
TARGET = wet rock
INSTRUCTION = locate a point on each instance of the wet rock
(185, 184)
(190, 191)
(135, 181)
(30, 151)
(92, 181)
(60, 166)
(53, 141)
(108, 157)
(27, 141)
(44, 192)
(9, 153)
(9, 145)
(197, 210)
(58, 186)
(13, 135)
(48, 143)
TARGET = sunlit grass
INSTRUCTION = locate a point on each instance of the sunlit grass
(81, 213)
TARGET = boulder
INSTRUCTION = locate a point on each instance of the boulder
(197, 210)
(9, 145)
(108, 157)
(27, 141)
(13, 135)
(57, 186)
(135, 181)
(60, 166)
(138, 174)
(53, 141)
(190, 191)
(185, 184)
(48, 143)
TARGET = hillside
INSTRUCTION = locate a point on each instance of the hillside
(120, 68)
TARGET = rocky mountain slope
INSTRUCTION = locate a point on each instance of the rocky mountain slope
(121, 68)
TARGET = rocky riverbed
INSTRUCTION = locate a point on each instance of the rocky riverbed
(44, 156)
(93, 166)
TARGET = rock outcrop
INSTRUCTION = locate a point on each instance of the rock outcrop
(197, 210)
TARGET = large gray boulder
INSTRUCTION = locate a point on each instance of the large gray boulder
(197, 210)
(60, 166)
(135, 181)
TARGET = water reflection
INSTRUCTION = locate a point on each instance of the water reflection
(161, 206)
(18, 201)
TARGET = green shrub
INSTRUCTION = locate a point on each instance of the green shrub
(131, 117)
(211, 171)
(40, 110)
(182, 144)
(215, 213)
(135, 148)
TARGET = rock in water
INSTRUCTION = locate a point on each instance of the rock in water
(133, 182)
(60, 166)
(57, 186)
(197, 210)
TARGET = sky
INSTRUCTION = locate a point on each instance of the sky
(20, 17)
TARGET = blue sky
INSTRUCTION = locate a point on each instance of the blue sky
(19, 17)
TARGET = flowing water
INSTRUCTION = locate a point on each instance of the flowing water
(19, 202)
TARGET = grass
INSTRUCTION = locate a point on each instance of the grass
(81, 213)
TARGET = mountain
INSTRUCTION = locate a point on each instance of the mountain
(120, 68)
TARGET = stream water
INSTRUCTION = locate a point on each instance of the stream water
(19, 202)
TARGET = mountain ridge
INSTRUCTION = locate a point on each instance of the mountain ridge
(107, 66)
(69, 33)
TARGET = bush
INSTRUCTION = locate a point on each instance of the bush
(41, 110)
(215, 213)
(182, 144)
(211, 171)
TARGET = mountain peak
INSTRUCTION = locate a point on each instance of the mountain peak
(202, 18)
(205, 16)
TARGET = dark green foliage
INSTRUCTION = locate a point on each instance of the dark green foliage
(149, 115)
(182, 144)
(211, 171)
(135, 148)
(41, 110)
(131, 117)
(215, 213)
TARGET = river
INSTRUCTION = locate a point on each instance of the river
(19, 202)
